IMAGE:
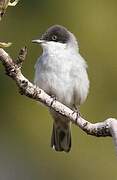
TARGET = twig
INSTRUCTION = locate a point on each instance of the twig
(3, 6)
(13, 3)
(13, 69)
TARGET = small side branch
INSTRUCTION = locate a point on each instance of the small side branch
(13, 3)
(13, 69)
(3, 6)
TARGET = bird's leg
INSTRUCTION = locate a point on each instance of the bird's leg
(13, 3)
(77, 111)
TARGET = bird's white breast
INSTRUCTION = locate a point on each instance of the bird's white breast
(62, 72)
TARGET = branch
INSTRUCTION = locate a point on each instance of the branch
(3, 6)
(13, 3)
(13, 69)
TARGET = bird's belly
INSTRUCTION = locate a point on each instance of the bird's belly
(67, 80)
(57, 84)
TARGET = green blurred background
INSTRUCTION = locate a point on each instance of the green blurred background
(25, 126)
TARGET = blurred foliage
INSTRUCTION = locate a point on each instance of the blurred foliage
(25, 126)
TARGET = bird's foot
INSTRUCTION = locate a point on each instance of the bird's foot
(54, 98)
(77, 111)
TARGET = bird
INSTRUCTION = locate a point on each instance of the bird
(62, 73)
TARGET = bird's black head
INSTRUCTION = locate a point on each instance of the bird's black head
(56, 33)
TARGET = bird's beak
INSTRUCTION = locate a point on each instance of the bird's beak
(39, 41)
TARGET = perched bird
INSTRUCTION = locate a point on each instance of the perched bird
(61, 72)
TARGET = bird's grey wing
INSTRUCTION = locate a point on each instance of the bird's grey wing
(37, 68)
(81, 81)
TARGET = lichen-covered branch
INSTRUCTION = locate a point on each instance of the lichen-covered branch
(13, 69)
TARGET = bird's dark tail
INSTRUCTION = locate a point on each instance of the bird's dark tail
(61, 136)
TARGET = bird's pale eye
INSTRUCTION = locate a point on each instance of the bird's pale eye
(54, 37)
